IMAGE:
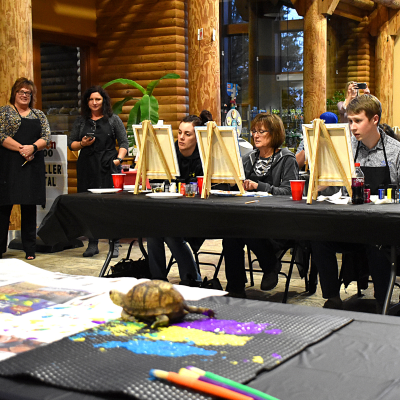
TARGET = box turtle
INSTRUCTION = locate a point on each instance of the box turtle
(156, 301)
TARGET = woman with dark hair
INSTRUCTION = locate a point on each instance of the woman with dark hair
(24, 132)
(205, 117)
(94, 134)
(268, 168)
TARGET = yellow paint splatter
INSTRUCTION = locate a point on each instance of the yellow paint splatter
(102, 349)
(79, 339)
(124, 329)
(258, 359)
(200, 338)
(27, 303)
(234, 362)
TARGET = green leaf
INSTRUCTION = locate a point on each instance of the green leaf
(125, 82)
(134, 116)
(145, 107)
(153, 84)
(153, 110)
(117, 107)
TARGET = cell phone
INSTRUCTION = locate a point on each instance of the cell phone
(361, 86)
(90, 135)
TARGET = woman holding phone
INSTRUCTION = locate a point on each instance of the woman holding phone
(94, 133)
(352, 91)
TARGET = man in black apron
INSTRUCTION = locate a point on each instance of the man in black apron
(379, 158)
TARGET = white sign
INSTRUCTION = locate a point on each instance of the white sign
(55, 158)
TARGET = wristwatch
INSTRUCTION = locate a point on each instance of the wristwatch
(120, 160)
(34, 148)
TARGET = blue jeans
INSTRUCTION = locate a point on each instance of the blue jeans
(180, 251)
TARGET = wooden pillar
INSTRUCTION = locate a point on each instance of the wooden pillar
(204, 63)
(16, 56)
(314, 62)
(16, 53)
(384, 69)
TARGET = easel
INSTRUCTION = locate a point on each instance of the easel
(321, 133)
(149, 135)
(212, 129)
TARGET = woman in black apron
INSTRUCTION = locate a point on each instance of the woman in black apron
(24, 132)
(94, 134)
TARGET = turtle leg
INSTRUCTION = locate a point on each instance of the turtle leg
(127, 317)
(161, 320)
(200, 310)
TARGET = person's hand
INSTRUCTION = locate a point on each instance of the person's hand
(87, 141)
(366, 90)
(26, 151)
(250, 185)
(116, 162)
(351, 92)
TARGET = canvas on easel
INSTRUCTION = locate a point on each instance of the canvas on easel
(157, 153)
(220, 156)
(330, 156)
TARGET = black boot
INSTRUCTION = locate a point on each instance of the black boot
(92, 248)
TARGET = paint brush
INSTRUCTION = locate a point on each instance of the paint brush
(193, 383)
(192, 374)
(227, 381)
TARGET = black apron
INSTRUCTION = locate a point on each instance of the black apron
(376, 176)
(95, 163)
(23, 184)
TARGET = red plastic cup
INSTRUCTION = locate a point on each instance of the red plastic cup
(297, 189)
(199, 184)
(118, 181)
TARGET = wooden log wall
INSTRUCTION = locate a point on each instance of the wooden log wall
(204, 62)
(352, 52)
(16, 56)
(143, 40)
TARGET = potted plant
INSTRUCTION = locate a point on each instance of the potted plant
(145, 108)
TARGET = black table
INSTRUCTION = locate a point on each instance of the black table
(124, 215)
(360, 361)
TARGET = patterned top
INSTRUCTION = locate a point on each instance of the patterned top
(375, 158)
(262, 166)
(10, 122)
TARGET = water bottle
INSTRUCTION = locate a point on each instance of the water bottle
(357, 186)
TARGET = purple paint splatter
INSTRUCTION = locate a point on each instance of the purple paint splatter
(227, 326)
(275, 355)
(273, 332)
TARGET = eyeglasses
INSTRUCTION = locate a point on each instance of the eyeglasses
(261, 133)
(23, 93)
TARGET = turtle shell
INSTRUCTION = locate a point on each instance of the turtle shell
(152, 298)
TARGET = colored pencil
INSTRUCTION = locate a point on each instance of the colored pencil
(237, 385)
(193, 383)
(188, 373)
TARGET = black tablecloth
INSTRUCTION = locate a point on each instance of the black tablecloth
(124, 215)
(360, 361)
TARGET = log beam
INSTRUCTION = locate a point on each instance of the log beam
(384, 69)
(315, 44)
(204, 63)
(363, 4)
(327, 7)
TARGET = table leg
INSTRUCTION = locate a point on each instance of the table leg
(108, 258)
(393, 270)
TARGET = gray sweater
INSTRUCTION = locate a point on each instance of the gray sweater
(284, 169)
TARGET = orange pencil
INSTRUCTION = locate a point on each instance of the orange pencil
(195, 384)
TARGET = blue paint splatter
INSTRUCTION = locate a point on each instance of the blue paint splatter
(164, 349)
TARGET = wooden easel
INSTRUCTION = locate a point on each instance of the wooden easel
(148, 135)
(212, 129)
(321, 133)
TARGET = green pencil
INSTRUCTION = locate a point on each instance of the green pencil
(227, 381)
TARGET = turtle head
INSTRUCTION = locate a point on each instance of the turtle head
(117, 297)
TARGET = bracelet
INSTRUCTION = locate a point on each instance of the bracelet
(35, 149)
(120, 160)
(81, 144)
